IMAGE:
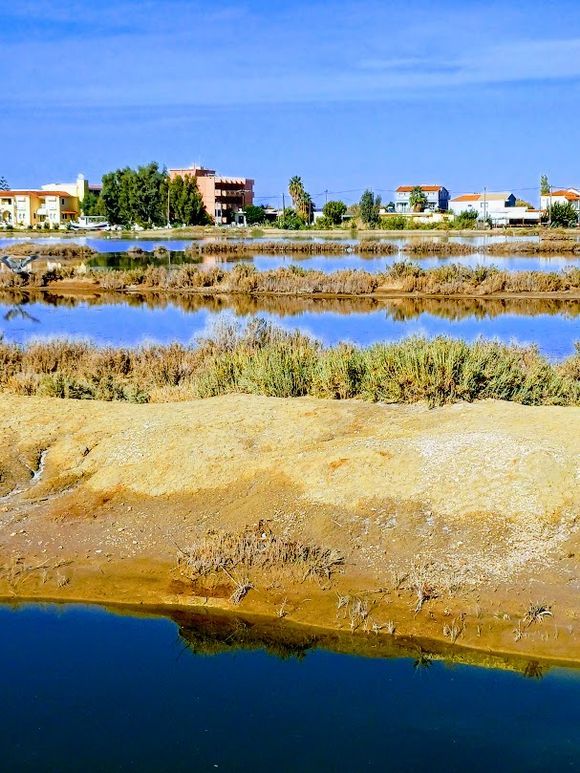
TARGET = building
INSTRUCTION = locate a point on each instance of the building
(54, 203)
(31, 208)
(564, 196)
(497, 206)
(437, 198)
(223, 197)
(78, 189)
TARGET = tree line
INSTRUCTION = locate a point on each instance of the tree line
(147, 196)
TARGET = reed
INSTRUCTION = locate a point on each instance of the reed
(546, 246)
(264, 360)
(56, 249)
(402, 277)
(431, 247)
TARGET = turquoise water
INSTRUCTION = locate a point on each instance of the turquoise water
(124, 324)
(85, 690)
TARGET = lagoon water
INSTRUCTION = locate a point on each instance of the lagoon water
(554, 327)
(113, 254)
(87, 690)
(132, 321)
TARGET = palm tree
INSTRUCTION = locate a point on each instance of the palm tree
(296, 191)
(306, 207)
(417, 199)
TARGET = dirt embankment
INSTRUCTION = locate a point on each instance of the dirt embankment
(458, 524)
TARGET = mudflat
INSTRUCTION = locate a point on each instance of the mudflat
(459, 523)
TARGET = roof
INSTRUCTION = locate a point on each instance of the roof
(566, 194)
(426, 188)
(488, 196)
(4, 194)
(467, 197)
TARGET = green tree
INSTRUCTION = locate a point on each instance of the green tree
(523, 203)
(544, 185)
(333, 211)
(186, 205)
(4, 184)
(149, 194)
(135, 196)
(369, 207)
(465, 219)
(117, 196)
(418, 199)
(563, 215)
(255, 215)
(290, 220)
(91, 204)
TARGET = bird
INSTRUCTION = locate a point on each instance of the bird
(18, 265)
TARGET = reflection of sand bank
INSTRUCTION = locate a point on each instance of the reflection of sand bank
(287, 306)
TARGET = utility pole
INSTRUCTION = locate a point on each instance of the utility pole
(549, 206)
(168, 186)
(283, 206)
(326, 196)
(484, 206)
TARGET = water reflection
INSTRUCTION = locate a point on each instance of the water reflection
(85, 689)
(330, 263)
(132, 319)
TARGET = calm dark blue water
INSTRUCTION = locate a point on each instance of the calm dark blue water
(125, 324)
(86, 690)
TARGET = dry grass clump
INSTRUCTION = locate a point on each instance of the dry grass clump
(452, 279)
(262, 359)
(256, 548)
(60, 249)
(456, 279)
(536, 613)
(546, 246)
(371, 247)
(430, 247)
(291, 280)
(10, 279)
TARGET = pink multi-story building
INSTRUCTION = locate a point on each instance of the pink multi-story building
(223, 197)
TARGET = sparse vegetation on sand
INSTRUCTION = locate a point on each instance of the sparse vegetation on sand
(255, 548)
(265, 360)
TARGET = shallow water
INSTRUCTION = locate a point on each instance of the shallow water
(86, 690)
(114, 255)
(129, 321)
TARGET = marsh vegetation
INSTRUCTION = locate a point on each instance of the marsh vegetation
(266, 360)
(401, 277)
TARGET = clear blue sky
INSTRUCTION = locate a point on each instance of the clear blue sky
(346, 94)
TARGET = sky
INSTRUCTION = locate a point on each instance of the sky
(347, 95)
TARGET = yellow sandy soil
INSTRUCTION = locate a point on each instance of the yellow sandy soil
(482, 501)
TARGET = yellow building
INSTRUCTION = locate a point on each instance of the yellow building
(29, 208)
(54, 203)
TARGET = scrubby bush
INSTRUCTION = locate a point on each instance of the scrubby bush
(265, 360)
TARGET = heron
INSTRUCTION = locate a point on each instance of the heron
(18, 311)
(18, 265)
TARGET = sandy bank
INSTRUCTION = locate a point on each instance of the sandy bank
(478, 503)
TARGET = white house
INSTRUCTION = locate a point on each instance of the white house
(437, 198)
(499, 206)
(564, 196)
